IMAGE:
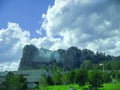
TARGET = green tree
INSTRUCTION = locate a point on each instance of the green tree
(43, 83)
(95, 79)
(49, 80)
(107, 77)
(71, 76)
(68, 78)
(22, 82)
(118, 75)
(107, 65)
(13, 82)
(87, 65)
(81, 77)
(65, 79)
(115, 75)
(57, 77)
(115, 65)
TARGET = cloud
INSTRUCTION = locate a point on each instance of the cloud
(38, 32)
(85, 24)
(9, 66)
(94, 25)
(12, 40)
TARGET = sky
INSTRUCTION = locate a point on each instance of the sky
(27, 13)
(55, 24)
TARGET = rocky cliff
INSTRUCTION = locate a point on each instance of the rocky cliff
(33, 58)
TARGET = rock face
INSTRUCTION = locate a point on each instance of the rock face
(33, 58)
(29, 52)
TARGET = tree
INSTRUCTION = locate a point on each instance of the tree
(115, 65)
(65, 79)
(107, 77)
(107, 65)
(57, 77)
(81, 77)
(68, 78)
(13, 82)
(87, 65)
(43, 83)
(71, 76)
(49, 80)
(95, 79)
(8, 80)
(115, 75)
(22, 82)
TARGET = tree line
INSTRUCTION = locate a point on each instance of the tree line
(90, 74)
(14, 82)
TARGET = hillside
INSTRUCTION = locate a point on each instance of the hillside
(33, 58)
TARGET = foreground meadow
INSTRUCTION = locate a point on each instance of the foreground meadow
(109, 86)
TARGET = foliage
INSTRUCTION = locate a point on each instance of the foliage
(118, 75)
(57, 78)
(87, 65)
(112, 65)
(71, 76)
(95, 79)
(65, 87)
(108, 86)
(65, 79)
(107, 77)
(68, 78)
(108, 65)
(111, 86)
(43, 83)
(115, 75)
(78, 76)
(49, 80)
(115, 65)
(81, 77)
(13, 82)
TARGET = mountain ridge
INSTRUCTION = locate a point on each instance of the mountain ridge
(33, 58)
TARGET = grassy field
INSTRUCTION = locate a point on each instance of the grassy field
(111, 87)
(65, 87)
(77, 87)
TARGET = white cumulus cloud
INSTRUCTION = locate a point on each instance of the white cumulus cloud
(94, 25)
(86, 24)
(9, 66)
(12, 40)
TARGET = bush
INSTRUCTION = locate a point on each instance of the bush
(95, 79)
(43, 83)
(13, 82)
(81, 77)
(57, 78)
(107, 77)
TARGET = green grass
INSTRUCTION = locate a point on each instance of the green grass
(111, 87)
(77, 87)
(66, 87)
